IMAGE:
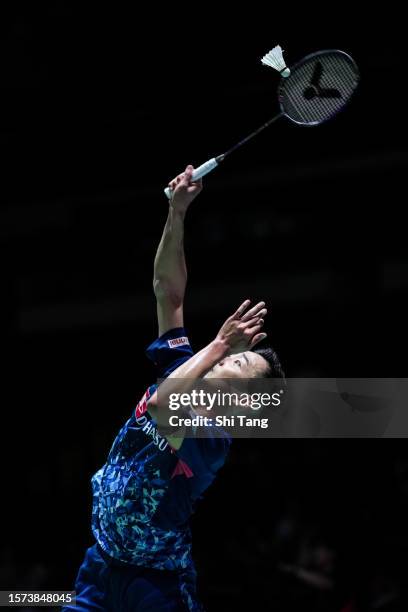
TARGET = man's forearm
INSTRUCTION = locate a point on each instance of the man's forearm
(170, 271)
(183, 378)
(199, 364)
(241, 328)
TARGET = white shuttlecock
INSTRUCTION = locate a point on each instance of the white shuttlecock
(274, 59)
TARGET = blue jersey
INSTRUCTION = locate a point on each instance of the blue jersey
(146, 492)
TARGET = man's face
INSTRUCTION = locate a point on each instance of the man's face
(240, 365)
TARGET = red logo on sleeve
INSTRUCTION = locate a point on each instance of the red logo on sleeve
(178, 341)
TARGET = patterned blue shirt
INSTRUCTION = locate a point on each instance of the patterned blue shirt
(146, 492)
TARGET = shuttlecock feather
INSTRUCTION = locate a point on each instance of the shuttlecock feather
(274, 59)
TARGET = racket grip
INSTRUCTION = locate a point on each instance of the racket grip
(197, 173)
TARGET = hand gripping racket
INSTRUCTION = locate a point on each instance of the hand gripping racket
(319, 87)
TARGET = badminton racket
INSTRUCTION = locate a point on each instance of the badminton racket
(313, 91)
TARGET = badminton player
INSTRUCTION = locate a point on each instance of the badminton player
(146, 492)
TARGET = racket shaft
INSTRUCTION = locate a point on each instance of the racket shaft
(197, 173)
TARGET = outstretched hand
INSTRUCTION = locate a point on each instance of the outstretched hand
(241, 331)
(184, 189)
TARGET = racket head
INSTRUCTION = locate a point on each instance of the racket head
(319, 87)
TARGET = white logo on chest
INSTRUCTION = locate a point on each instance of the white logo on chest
(149, 428)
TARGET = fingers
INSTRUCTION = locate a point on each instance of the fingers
(188, 173)
(196, 186)
(193, 186)
(175, 182)
(185, 177)
(252, 316)
(238, 313)
(257, 339)
(256, 311)
(254, 323)
(255, 327)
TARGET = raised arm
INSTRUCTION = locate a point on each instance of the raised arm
(240, 332)
(170, 271)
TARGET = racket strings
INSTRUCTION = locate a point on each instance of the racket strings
(318, 87)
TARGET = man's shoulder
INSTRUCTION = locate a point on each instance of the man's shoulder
(169, 351)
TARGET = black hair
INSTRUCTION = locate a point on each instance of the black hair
(275, 369)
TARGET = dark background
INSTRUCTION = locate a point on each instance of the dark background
(100, 107)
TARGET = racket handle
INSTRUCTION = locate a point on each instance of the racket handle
(199, 172)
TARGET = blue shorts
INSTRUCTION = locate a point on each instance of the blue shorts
(105, 584)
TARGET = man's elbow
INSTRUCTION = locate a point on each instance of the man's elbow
(156, 404)
(165, 291)
(152, 401)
